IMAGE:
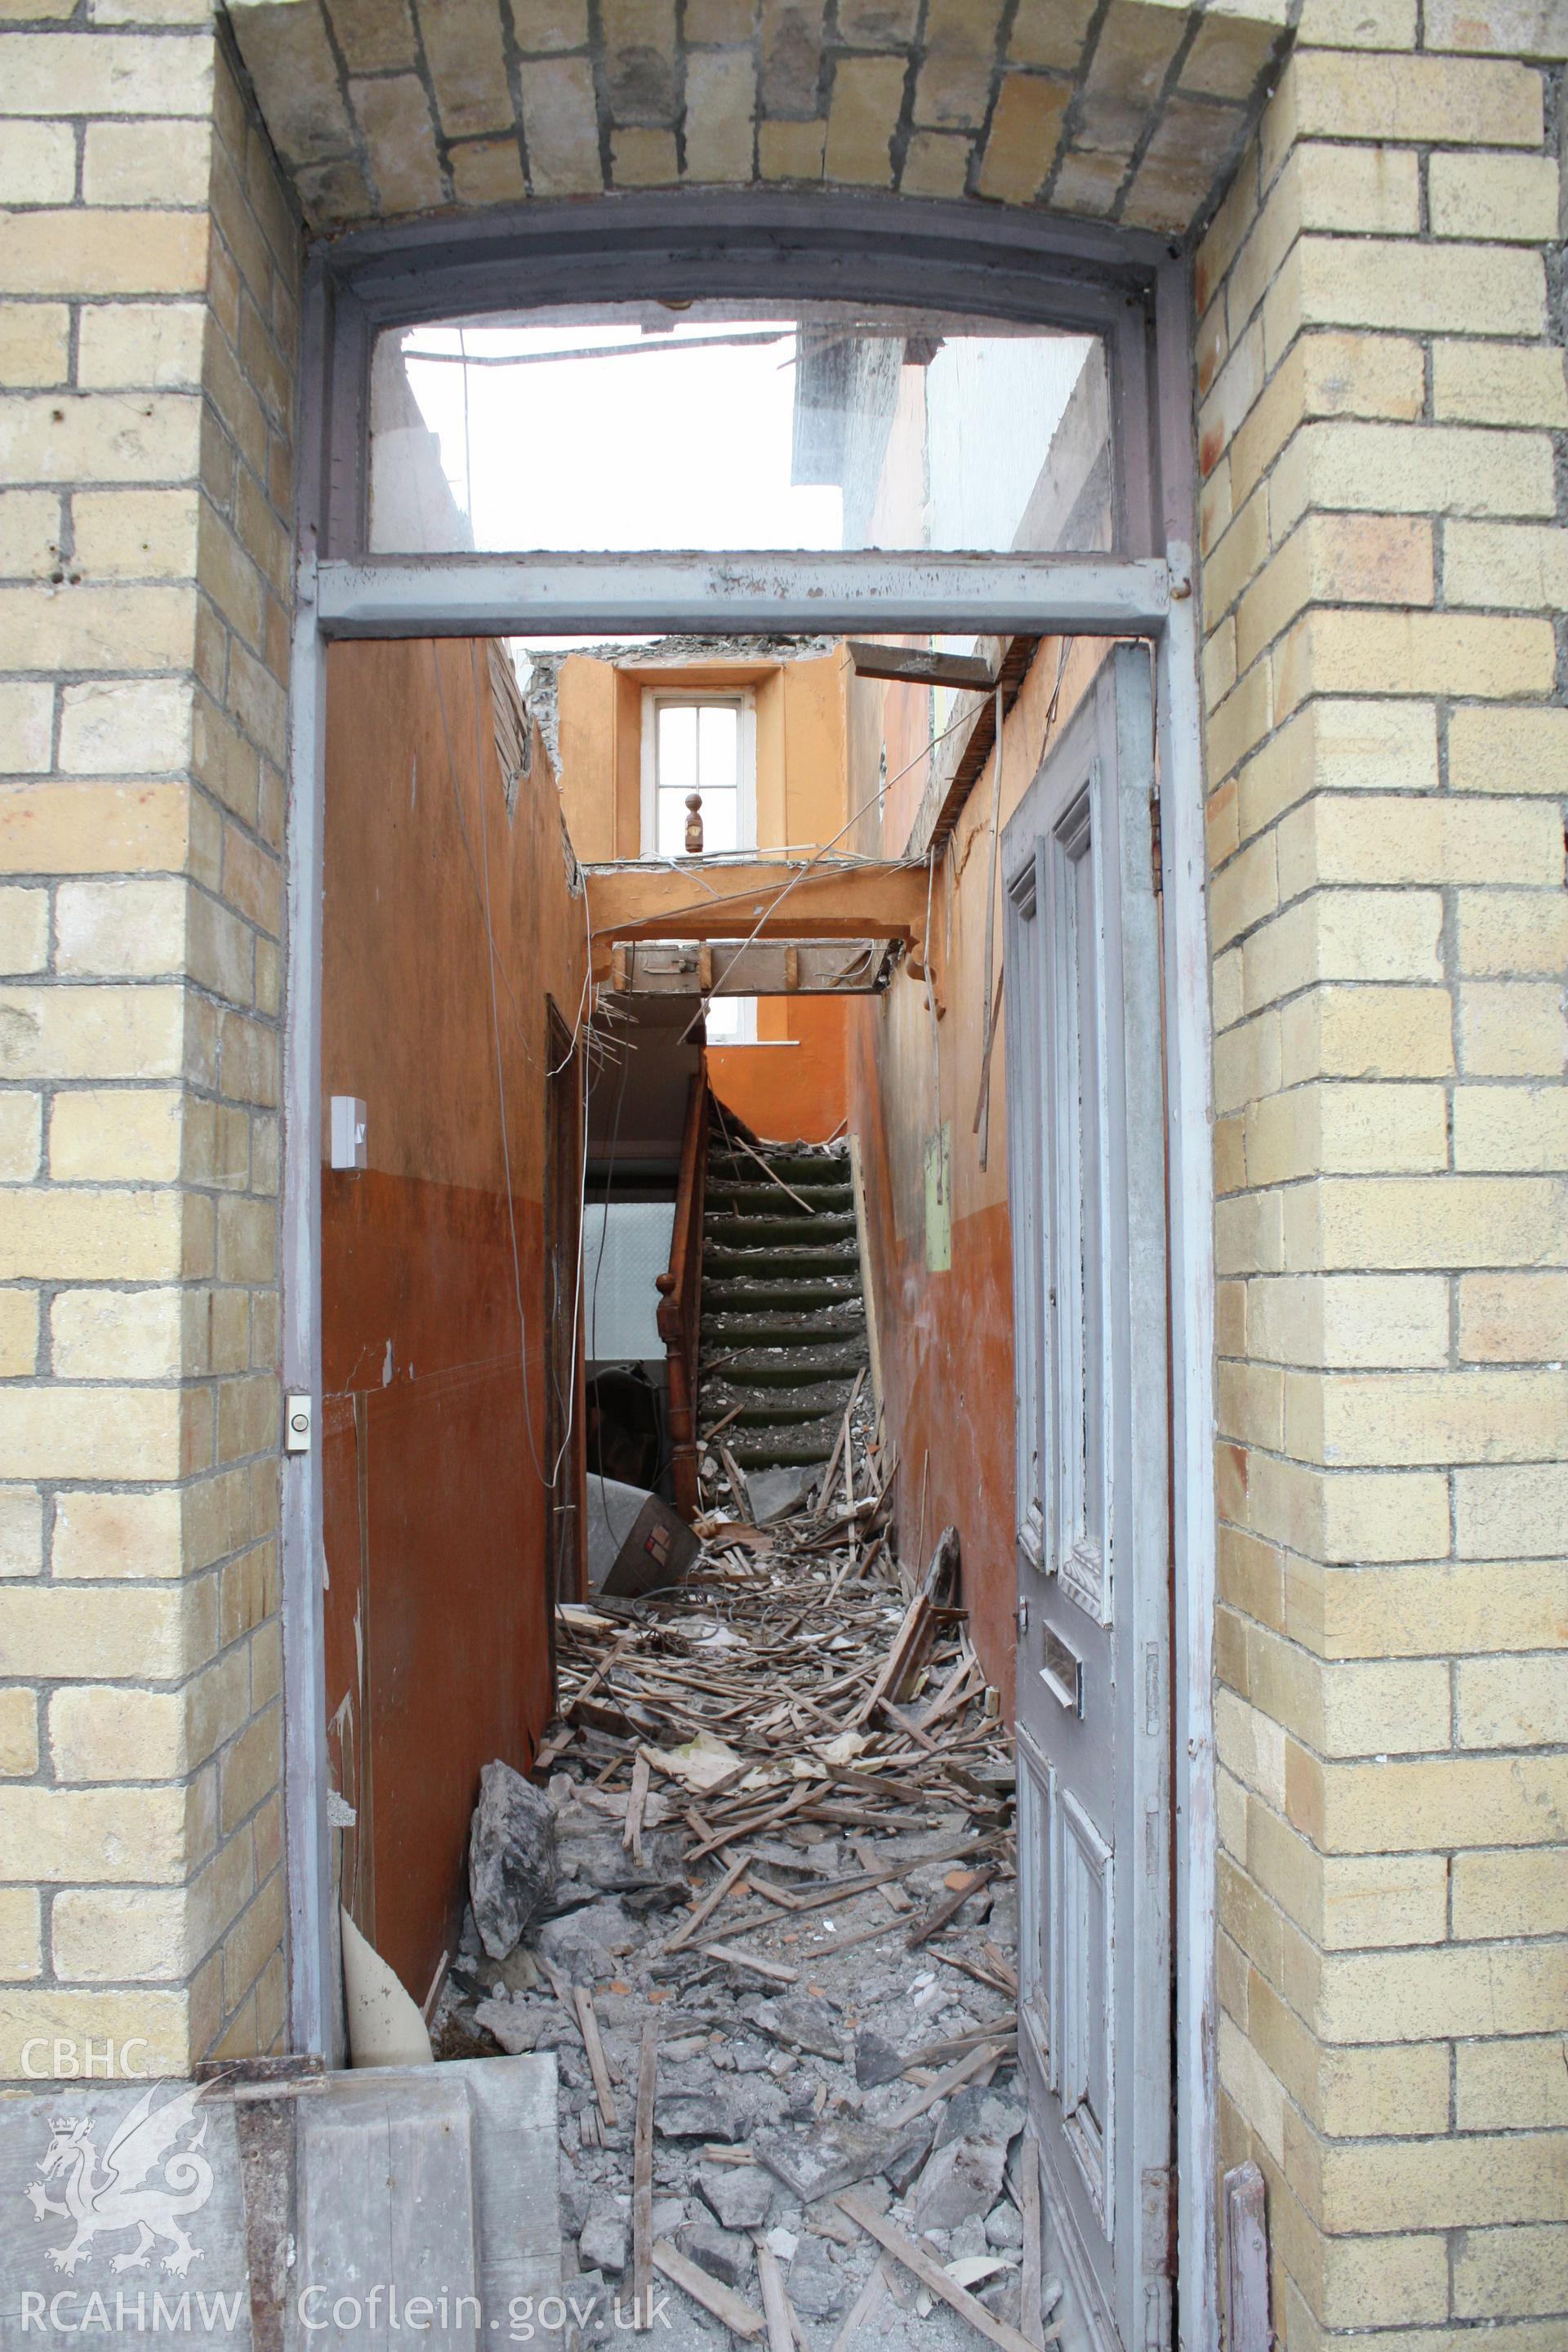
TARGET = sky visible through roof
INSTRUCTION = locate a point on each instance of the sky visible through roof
(684, 442)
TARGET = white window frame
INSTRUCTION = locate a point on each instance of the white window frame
(738, 699)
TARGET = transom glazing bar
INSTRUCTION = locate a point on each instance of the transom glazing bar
(621, 595)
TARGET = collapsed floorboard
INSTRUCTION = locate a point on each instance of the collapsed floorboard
(819, 1931)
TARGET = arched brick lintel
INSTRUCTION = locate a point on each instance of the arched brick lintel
(1133, 113)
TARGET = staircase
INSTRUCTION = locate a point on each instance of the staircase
(784, 1320)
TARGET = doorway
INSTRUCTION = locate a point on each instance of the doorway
(1133, 591)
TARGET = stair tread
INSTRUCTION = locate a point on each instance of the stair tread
(763, 1407)
(793, 1296)
(767, 1449)
(785, 1366)
(828, 1254)
(803, 1200)
(782, 1329)
(776, 1233)
(783, 1319)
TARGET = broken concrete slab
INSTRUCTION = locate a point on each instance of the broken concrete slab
(775, 1493)
(605, 2239)
(977, 2112)
(805, 2023)
(817, 2283)
(740, 2196)
(511, 2022)
(876, 2060)
(512, 1861)
(836, 2155)
(586, 1943)
(1005, 2225)
(961, 2179)
(721, 2252)
(693, 2115)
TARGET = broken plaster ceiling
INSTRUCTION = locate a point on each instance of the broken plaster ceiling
(383, 110)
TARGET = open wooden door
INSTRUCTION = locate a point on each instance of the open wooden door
(1086, 1179)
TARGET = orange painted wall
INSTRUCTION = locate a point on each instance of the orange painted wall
(946, 1338)
(437, 1517)
(793, 1092)
(793, 1083)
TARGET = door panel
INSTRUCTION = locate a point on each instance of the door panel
(1087, 1186)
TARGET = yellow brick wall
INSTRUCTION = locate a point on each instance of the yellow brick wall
(1381, 423)
(1382, 408)
(148, 302)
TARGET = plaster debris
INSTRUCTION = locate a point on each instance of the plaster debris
(512, 1864)
(819, 1931)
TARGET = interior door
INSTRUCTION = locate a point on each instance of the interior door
(1087, 1181)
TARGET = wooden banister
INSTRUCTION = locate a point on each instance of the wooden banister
(681, 1296)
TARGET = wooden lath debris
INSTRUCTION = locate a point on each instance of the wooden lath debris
(802, 1734)
(781, 1684)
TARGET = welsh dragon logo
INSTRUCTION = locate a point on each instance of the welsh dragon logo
(122, 2195)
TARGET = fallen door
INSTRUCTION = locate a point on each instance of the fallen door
(1086, 1185)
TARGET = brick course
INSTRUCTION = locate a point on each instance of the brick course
(1380, 411)
(147, 341)
(1382, 518)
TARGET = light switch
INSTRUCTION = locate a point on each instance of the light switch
(348, 1132)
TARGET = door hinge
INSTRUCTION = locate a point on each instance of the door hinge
(1158, 2221)
(1156, 846)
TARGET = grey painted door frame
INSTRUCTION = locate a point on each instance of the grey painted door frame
(1132, 288)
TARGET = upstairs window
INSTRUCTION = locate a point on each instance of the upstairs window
(704, 744)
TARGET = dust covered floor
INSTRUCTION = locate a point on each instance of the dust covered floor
(780, 1949)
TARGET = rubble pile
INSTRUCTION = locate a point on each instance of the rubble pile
(770, 1929)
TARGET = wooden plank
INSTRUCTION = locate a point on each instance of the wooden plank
(736, 2314)
(866, 1934)
(709, 1904)
(824, 901)
(642, 2179)
(913, 666)
(793, 1803)
(954, 2079)
(631, 1836)
(595, 2050)
(996, 1958)
(951, 1904)
(1247, 2260)
(910, 1643)
(772, 1969)
(955, 774)
(931, 2274)
(775, 2302)
(391, 2163)
(940, 2054)
(754, 968)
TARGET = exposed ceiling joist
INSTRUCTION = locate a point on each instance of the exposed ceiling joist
(911, 665)
(754, 968)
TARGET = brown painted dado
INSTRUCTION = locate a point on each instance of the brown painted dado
(440, 900)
